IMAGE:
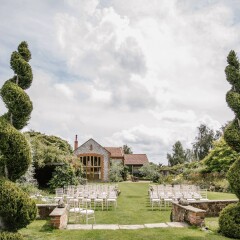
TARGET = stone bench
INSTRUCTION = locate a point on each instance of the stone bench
(189, 214)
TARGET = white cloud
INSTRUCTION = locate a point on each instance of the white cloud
(146, 73)
(64, 89)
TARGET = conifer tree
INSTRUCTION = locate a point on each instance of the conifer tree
(230, 218)
(16, 208)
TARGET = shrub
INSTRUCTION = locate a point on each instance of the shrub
(220, 158)
(115, 173)
(233, 177)
(10, 236)
(229, 221)
(17, 209)
(63, 175)
(221, 185)
(150, 171)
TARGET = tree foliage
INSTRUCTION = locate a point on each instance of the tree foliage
(116, 171)
(220, 158)
(178, 155)
(47, 150)
(62, 176)
(204, 141)
(127, 149)
(150, 171)
(16, 208)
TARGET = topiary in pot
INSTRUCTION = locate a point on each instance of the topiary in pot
(229, 221)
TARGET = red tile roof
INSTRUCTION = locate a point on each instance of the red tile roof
(135, 159)
(115, 151)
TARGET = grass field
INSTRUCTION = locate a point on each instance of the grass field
(133, 208)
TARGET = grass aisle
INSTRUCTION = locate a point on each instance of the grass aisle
(133, 207)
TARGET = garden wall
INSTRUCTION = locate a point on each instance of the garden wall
(189, 214)
(196, 211)
(44, 210)
(212, 207)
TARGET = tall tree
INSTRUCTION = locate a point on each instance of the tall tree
(230, 218)
(204, 141)
(127, 149)
(178, 156)
(16, 208)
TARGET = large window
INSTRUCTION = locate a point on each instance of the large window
(91, 167)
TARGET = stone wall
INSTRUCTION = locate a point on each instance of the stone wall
(189, 214)
(196, 211)
(92, 147)
(44, 210)
(212, 207)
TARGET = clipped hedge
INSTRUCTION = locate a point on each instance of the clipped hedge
(15, 149)
(14, 97)
(10, 236)
(229, 221)
(233, 177)
(16, 209)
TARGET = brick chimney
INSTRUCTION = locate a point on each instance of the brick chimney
(76, 143)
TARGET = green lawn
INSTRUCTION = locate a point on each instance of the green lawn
(39, 230)
(220, 196)
(133, 208)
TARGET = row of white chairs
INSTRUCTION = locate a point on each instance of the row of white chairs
(81, 199)
(163, 195)
(97, 196)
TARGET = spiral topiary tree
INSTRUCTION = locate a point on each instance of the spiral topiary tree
(229, 220)
(17, 210)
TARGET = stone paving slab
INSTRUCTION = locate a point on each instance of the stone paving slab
(106, 226)
(80, 226)
(126, 227)
(156, 225)
(131, 227)
(177, 224)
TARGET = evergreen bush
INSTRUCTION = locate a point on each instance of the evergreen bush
(62, 176)
(115, 173)
(16, 209)
(234, 178)
(229, 221)
(10, 236)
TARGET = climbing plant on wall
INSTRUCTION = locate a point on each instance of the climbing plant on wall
(229, 220)
(17, 210)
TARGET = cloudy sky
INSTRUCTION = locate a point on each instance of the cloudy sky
(140, 72)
